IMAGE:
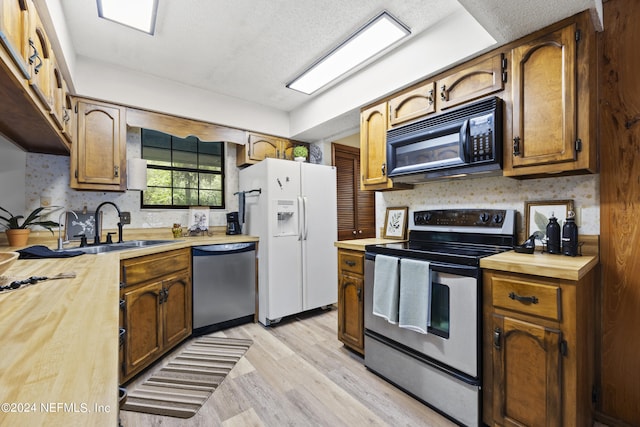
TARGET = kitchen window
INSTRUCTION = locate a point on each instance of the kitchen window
(182, 172)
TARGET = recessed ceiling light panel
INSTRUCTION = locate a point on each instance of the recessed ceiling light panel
(137, 14)
(376, 36)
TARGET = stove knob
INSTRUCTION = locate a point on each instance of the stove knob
(498, 218)
(484, 217)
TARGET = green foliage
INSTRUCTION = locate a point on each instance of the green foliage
(300, 151)
(12, 221)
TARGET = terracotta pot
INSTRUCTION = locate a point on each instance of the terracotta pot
(18, 236)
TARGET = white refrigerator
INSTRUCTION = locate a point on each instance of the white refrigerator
(294, 214)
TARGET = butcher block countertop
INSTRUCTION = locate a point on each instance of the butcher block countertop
(541, 264)
(359, 244)
(59, 338)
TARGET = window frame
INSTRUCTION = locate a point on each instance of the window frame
(221, 173)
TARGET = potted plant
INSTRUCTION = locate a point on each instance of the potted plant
(18, 232)
(300, 153)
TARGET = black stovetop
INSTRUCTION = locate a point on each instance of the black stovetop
(452, 236)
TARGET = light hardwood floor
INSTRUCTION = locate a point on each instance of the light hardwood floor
(298, 374)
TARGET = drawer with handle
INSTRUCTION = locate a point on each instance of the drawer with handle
(527, 297)
(351, 261)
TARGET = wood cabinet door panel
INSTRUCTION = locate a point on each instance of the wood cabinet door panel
(351, 311)
(14, 29)
(261, 147)
(527, 376)
(101, 142)
(143, 324)
(177, 314)
(373, 145)
(544, 97)
(412, 104)
(40, 60)
(477, 80)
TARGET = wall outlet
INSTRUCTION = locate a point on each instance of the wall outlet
(125, 217)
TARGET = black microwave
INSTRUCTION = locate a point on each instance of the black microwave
(460, 142)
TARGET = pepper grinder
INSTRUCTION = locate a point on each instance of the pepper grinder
(570, 235)
(553, 235)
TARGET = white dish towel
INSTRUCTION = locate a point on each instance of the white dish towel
(386, 288)
(415, 295)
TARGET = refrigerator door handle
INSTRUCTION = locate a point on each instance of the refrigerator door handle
(300, 217)
(306, 222)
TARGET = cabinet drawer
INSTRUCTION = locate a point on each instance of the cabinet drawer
(149, 267)
(526, 297)
(351, 261)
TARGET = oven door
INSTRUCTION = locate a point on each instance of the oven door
(452, 341)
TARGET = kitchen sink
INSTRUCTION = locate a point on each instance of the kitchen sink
(111, 247)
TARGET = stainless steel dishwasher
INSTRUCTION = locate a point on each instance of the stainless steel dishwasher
(224, 286)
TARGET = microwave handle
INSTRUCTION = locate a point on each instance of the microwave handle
(465, 140)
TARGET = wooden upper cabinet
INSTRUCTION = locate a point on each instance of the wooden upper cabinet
(14, 33)
(99, 156)
(475, 80)
(413, 104)
(69, 121)
(373, 145)
(40, 60)
(544, 99)
(58, 92)
(554, 92)
(259, 147)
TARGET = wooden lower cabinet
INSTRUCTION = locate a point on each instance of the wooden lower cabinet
(538, 350)
(351, 299)
(156, 307)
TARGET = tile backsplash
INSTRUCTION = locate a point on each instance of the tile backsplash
(500, 193)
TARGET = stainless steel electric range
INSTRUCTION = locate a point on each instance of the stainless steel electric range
(436, 279)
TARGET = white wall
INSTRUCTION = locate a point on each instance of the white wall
(12, 177)
(104, 81)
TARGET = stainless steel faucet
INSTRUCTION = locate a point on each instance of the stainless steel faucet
(61, 241)
(96, 237)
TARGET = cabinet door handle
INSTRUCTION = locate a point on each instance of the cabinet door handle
(34, 55)
(121, 336)
(430, 97)
(516, 146)
(116, 171)
(350, 263)
(525, 300)
(443, 93)
(384, 168)
(359, 292)
(497, 333)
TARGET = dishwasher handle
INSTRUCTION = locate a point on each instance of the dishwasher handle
(223, 249)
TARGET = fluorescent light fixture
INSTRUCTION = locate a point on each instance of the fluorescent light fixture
(138, 14)
(374, 37)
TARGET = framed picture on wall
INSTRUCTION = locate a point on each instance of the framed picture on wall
(537, 214)
(85, 223)
(198, 218)
(395, 223)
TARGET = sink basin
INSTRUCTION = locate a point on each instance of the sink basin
(111, 247)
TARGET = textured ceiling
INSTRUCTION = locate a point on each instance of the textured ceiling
(250, 49)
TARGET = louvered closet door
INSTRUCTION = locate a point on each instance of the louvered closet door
(356, 208)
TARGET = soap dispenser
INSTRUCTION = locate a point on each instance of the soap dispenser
(570, 235)
(553, 235)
